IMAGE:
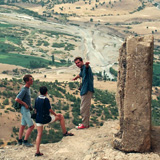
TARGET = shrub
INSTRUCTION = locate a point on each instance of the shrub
(6, 102)
(12, 143)
(113, 71)
(58, 45)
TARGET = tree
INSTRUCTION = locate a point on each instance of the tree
(42, 3)
(2, 2)
(6, 102)
(53, 58)
(91, 19)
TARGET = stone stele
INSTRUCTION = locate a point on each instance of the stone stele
(134, 87)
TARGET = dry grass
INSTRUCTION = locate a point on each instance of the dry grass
(115, 12)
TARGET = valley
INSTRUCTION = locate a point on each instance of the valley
(43, 39)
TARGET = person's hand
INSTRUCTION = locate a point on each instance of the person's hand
(74, 79)
(87, 63)
(30, 108)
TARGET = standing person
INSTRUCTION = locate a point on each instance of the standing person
(24, 98)
(43, 110)
(86, 91)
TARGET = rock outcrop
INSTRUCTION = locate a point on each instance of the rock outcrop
(134, 87)
(88, 144)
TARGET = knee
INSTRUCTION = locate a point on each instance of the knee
(32, 127)
(60, 116)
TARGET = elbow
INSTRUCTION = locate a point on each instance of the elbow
(17, 100)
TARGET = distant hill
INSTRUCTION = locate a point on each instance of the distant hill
(83, 7)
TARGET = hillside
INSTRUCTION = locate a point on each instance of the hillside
(64, 97)
(136, 17)
(94, 143)
(42, 37)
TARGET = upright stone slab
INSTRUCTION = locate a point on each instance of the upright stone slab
(134, 86)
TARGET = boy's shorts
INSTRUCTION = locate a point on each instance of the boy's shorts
(26, 118)
(52, 120)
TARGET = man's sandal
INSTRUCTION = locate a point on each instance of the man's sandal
(68, 134)
(39, 154)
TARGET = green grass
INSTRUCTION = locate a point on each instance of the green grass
(157, 52)
(15, 40)
(2, 39)
(156, 74)
(20, 60)
(5, 48)
(156, 68)
(58, 52)
(27, 61)
(6, 25)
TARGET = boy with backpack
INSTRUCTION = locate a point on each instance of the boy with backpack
(24, 98)
(43, 111)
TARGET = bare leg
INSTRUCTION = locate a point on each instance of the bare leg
(38, 139)
(60, 118)
(21, 130)
(29, 130)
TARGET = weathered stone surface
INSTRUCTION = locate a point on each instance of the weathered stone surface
(89, 144)
(133, 98)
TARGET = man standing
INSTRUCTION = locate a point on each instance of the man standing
(86, 91)
(24, 98)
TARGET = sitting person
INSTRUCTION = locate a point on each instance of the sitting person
(43, 110)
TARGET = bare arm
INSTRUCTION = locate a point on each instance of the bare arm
(87, 64)
(21, 102)
(51, 111)
(75, 78)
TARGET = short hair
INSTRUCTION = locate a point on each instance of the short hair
(43, 90)
(26, 77)
(80, 58)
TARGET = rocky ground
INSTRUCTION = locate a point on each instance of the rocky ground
(88, 144)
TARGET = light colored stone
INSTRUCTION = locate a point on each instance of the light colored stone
(85, 145)
(134, 88)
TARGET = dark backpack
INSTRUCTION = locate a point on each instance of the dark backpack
(46, 118)
(17, 106)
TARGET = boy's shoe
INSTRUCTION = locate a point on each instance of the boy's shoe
(27, 144)
(81, 126)
(19, 142)
(68, 134)
(38, 154)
